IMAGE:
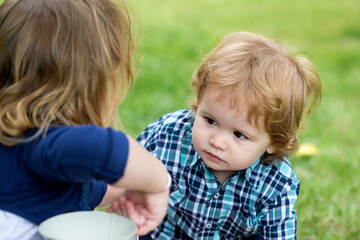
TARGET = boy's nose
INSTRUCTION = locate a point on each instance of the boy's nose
(218, 141)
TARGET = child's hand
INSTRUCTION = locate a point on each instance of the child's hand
(146, 210)
(127, 209)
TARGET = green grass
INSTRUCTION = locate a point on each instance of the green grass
(175, 36)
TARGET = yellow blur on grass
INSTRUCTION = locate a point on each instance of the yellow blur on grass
(307, 150)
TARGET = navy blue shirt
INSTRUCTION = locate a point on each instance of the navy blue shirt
(65, 171)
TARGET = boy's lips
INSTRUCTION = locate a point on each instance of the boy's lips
(213, 157)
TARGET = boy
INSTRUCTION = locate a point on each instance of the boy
(227, 156)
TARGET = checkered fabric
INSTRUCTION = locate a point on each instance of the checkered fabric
(259, 199)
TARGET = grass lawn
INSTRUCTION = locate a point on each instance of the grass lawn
(174, 38)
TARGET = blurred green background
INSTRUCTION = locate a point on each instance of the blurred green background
(175, 36)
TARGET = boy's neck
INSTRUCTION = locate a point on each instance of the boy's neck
(222, 176)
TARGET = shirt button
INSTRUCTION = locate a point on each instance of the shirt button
(208, 225)
(216, 195)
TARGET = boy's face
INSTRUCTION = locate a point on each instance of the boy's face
(224, 138)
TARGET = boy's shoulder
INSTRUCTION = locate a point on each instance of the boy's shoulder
(272, 180)
(178, 120)
(182, 115)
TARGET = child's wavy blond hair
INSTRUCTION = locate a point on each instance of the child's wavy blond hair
(276, 84)
(62, 62)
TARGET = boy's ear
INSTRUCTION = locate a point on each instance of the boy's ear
(270, 149)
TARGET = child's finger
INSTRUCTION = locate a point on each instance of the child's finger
(143, 211)
(123, 210)
(116, 207)
(149, 223)
(145, 228)
(134, 215)
(133, 212)
(109, 210)
(112, 208)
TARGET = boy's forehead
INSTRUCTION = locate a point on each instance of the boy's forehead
(233, 100)
(236, 101)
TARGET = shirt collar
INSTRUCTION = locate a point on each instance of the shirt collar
(193, 156)
(187, 147)
(254, 173)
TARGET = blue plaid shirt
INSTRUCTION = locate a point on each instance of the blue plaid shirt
(259, 199)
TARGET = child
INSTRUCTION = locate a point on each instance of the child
(64, 68)
(227, 156)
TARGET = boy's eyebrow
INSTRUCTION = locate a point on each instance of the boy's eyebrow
(246, 133)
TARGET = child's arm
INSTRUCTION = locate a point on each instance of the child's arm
(147, 188)
(143, 172)
(280, 219)
(130, 205)
(111, 195)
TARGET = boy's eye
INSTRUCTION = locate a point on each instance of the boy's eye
(239, 135)
(210, 121)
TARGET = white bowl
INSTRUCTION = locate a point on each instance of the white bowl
(89, 225)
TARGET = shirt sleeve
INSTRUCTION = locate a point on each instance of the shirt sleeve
(98, 191)
(279, 218)
(80, 154)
